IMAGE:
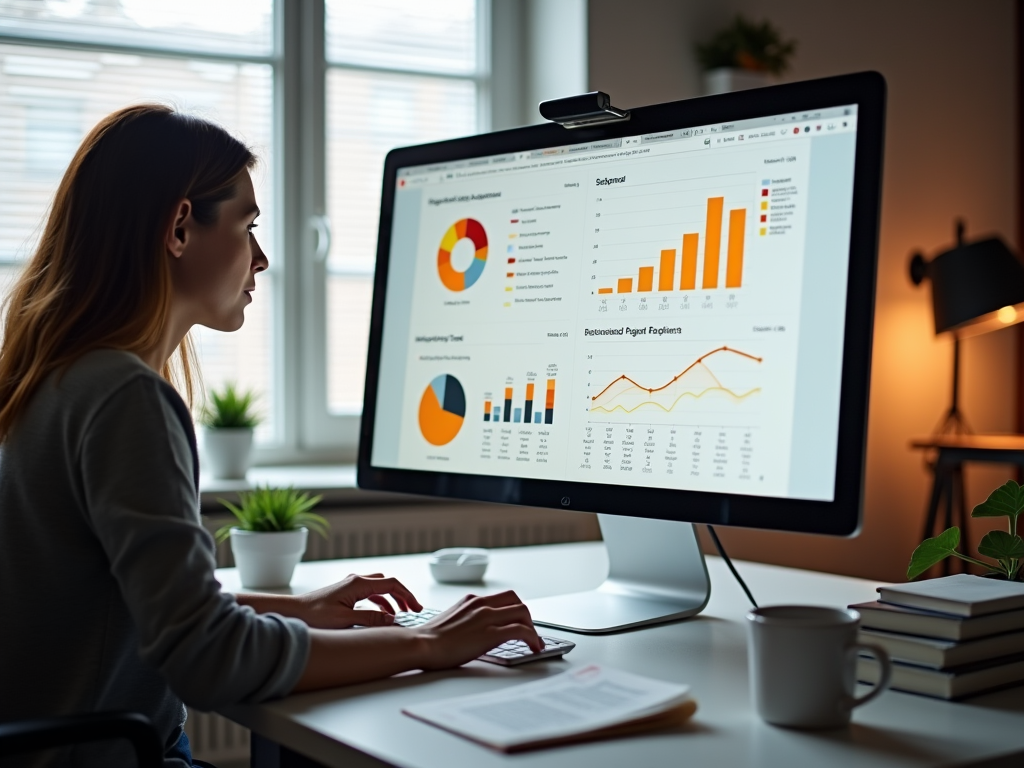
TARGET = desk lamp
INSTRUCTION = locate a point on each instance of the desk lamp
(976, 288)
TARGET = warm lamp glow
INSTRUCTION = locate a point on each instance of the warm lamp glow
(993, 321)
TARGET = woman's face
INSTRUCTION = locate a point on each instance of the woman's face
(214, 273)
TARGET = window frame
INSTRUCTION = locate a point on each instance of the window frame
(275, 59)
(328, 436)
(307, 432)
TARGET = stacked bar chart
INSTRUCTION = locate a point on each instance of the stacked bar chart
(529, 412)
(667, 280)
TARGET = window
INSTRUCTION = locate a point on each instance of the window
(374, 75)
(63, 67)
(400, 72)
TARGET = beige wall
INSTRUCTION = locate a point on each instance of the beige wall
(950, 151)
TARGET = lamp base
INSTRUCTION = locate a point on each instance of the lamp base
(953, 423)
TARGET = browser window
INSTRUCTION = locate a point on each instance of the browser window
(663, 310)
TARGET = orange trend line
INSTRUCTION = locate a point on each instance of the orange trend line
(695, 396)
(678, 376)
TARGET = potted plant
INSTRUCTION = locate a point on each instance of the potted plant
(744, 55)
(1005, 548)
(228, 421)
(269, 537)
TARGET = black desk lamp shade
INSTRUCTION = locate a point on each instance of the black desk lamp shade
(976, 288)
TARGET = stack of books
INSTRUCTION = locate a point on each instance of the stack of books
(949, 638)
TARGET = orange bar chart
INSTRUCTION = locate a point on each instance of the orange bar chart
(646, 282)
(734, 257)
(549, 403)
(667, 273)
(688, 263)
(688, 278)
(712, 242)
(487, 410)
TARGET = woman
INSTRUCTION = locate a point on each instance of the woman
(106, 575)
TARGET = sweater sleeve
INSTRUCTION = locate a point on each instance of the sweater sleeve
(137, 479)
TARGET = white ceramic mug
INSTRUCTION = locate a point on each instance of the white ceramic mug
(803, 665)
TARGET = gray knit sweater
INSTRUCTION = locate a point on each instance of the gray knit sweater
(107, 593)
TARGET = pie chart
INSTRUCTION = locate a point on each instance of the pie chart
(464, 229)
(442, 410)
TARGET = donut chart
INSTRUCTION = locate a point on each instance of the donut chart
(469, 229)
(442, 410)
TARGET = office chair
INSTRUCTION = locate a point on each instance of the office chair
(45, 733)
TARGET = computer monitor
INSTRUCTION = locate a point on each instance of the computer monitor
(664, 318)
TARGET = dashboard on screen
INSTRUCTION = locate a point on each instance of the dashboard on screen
(661, 310)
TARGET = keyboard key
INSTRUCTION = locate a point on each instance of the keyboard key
(511, 652)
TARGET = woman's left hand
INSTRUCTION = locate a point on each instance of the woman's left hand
(333, 607)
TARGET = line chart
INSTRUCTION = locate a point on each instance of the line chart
(696, 382)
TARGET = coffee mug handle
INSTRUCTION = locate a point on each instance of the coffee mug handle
(886, 677)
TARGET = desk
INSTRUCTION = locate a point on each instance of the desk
(363, 725)
(952, 452)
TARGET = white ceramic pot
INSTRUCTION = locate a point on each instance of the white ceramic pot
(728, 79)
(267, 560)
(228, 452)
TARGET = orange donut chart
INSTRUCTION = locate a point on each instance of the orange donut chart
(472, 230)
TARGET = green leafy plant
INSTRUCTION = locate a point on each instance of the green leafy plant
(745, 44)
(266, 510)
(230, 408)
(1006, 548)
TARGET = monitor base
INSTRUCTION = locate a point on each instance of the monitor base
(656, 573)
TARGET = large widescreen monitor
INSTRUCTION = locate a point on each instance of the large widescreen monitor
(664, 317)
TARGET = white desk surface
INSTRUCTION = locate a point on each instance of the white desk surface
(707, 652)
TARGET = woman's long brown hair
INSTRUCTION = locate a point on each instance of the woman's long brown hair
(100, 277)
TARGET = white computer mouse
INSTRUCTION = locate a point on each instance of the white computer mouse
(459, 565)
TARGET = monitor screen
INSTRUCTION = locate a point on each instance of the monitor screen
(659, 309)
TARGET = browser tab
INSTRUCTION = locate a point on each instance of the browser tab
(667, 136)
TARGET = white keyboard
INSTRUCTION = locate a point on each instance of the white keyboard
(507, 654)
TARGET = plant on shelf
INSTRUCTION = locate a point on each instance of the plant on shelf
(744, 44)
(229, 418)
(268, 538)
(1005, 548)
(271, 510)
(231, 408)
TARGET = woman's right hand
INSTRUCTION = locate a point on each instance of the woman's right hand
(472, 627)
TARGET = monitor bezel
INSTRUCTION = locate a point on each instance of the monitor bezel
(840, 517)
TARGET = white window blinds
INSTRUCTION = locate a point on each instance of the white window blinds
(372, 108)
(51, 95)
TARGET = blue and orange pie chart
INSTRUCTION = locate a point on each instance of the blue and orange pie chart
(442, 410)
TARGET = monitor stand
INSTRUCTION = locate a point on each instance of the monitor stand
(656, 573)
